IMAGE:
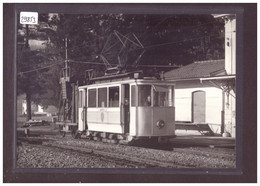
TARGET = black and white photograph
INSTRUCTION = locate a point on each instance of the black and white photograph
(121, 91)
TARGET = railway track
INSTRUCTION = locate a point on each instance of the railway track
(217, 152)
(123, 159)
(128, 156)
(120, 157)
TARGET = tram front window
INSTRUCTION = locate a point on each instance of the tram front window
(144, 95)
(159, 99)
(162, 96)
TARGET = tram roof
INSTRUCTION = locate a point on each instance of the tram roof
(117, 77)
(122, 79)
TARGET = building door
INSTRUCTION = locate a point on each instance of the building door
(198, 106)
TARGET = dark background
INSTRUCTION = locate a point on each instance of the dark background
(246, 103)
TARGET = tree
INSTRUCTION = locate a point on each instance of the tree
(28, 80)
(167, 39)
(182, 39)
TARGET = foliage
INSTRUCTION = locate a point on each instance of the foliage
(175, 39)
(31, 81)
(167, 39)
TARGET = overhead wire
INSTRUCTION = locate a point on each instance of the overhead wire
(84, 44)
(181, 41)
(151, 46)
(96, 63)
(60, 62)
(145, 33)
(184, 28)
(33, 70)
(85, 62)
(184, 40)
(189, 27)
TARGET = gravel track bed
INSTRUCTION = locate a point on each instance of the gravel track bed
(44, 156)
(145, 163)
(35, 156)
(212, 152)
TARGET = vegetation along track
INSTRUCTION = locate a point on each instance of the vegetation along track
(130, 156)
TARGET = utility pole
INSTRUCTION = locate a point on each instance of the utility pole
(64, 81)
(67, 117)
(66, 53)
(27, 37)
(28, 91)
(66, 69)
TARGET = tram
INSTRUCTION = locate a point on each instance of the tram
(126, 107)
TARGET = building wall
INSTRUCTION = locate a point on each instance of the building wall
(19, 106)
(183, 103)
(214, 105)
(230, 45)
(230, 114)
(230, 66)
(40, 109)
(34, 107)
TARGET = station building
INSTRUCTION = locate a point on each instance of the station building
(205, 91)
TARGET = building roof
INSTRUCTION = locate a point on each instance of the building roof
(198, 69)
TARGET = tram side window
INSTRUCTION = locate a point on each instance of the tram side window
(102, 97)
(144, 95)
(170, 96)
(92, 94)
(113, 96)
(133, 96)
(80, 99)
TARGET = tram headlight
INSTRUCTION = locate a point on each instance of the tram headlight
(160, 124)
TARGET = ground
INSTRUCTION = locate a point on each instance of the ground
(46, 149)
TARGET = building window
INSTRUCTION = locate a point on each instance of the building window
(92, 94)
(113, 96)
(102, 97)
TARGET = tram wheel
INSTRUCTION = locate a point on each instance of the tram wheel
(75, 134)
(62, 134)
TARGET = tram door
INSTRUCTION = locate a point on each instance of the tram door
(125, 110)
(82, 109)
